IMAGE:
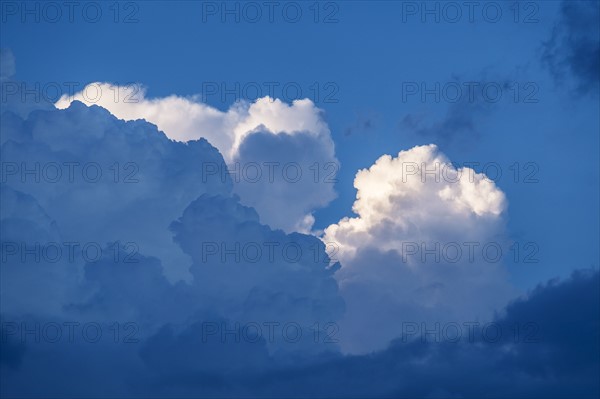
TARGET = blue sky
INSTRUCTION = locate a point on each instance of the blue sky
(370, 63)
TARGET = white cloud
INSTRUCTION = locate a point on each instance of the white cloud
(407, 205)
(185, 119)
(417, 195)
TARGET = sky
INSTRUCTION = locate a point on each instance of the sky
(300, 199)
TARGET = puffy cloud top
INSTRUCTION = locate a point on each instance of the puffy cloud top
(411, 209)
(417, 195)
(295, 134)
(186, 119)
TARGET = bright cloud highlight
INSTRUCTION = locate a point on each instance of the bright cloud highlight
(295, 132)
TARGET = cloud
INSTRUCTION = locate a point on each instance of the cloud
(285, 177)
(418, 194)
(239, 134)
(555, 357)
(25, 221)
(186, 119)
(92, 172)
(270, 277)
(548, 348)
(166, 321)
(415, 250)
(149, 191)
(574, 46)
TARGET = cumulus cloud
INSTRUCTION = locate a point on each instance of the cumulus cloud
(546, 357)
(417, 195)
(537, 354)
(184, 119)
(92, 172)
(415, 250)
(251, 273)
(155, 219)
(25, 221)
(266, 123)
(285, 177)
